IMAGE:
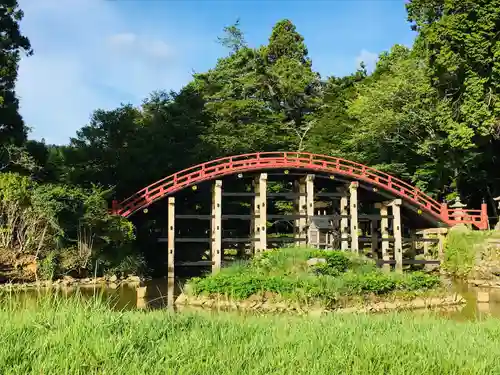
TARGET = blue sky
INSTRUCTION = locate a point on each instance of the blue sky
(93, 54)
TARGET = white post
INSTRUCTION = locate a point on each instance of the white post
(216, 226)
(262, 233)
(353, 190)
(398, 234)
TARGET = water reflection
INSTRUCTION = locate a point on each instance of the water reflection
(161, 294)
(152, 294)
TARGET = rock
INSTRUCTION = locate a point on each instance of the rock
(113, 285)
(315, 261)
(181, 299)
(66, 280)
(483, 297)
(113, 279)
(134, 279)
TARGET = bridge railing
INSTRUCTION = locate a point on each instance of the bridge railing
(272, 160)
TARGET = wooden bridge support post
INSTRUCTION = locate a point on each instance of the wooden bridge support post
(398, 234)
(353, 190)
(255, 212)
(301, 223)
(309, 197)
(171, 240)
(425, 236)
(441, 238)
(374, 235)
(216, 248)
(384, 231)
(344, 221)
(262, 220)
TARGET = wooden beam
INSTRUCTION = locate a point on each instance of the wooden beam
(262, 233)
(171, 239)
(384, 231)
(309, 200)
(344, 221)
(216, 247)
(398, 235)
(301, 223)
(353, 199)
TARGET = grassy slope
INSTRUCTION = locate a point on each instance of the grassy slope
(76, 338)
(286, 274)
(464, 247)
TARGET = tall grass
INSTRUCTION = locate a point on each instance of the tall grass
(461, 250)
(75, 337)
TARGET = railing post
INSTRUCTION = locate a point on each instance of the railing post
(484, 216)
(114, 206)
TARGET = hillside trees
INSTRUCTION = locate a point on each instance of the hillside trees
(259, 99)
(12, 45)
(461, 44)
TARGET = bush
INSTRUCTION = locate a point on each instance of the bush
(342, 275)
(460, 250)
(55, 222)
(336, 262)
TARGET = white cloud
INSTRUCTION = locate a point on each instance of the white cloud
(369, 58)
(87, 56)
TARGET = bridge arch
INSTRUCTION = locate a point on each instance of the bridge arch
(303, 161)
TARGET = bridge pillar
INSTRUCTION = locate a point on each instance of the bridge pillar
(374, 236)
(216, 248)
(171, 240)
(301, 223)
(398, 234)
(309, 198)
(263, 212)
(384, 231)
(255, 211)
(344, 220)
(353, 191)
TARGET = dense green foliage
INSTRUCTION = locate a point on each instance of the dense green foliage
(428, 114)
(67, 226)
(75, 337)
(465, 250)
(286, 274)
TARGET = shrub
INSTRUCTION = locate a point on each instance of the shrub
(46, 221)
(246, 279)
(460, 250)
(336, 262)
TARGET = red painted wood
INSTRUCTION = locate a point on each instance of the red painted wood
(295, 160)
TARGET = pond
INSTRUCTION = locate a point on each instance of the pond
(159, 293)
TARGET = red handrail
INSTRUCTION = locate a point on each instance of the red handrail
(283, 160)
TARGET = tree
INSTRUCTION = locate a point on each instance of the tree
(261, 99)
(293, 88)
(461, 44)
(12, 43)
(233, 38)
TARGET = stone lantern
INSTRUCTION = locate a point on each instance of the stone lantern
(459, 213)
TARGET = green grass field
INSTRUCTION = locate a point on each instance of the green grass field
(69, 336)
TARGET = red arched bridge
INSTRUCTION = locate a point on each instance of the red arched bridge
(303, 161)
